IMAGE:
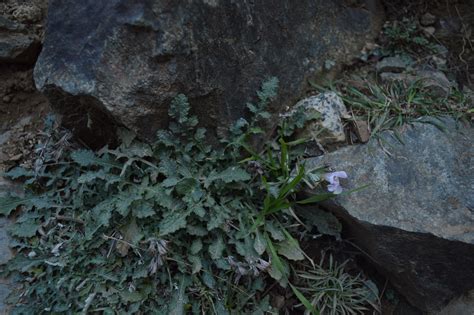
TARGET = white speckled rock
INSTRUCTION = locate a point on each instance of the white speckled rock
(416, 219)
(332, 109)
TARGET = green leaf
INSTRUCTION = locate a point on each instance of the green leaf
(196, 263)
(231, 174)
(173, 222)
(18, 172)
(316, 198)
(196, 246)
(260, 245)
(277, 270)
(88, 158)
(103, 212)
(290, 251)
(131, 297)
(186, 186)
(304, 300)
(275, 233)
(216, 248)
(25, 229)
(10, 203)
(91, 176)
(179, 298)
(144, 210)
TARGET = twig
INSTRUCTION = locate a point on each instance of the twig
(65, 218)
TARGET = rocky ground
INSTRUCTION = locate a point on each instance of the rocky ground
(419, 201)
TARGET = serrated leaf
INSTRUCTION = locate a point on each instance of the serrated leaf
(218, 217)
(103, 212)
(139, 149)
(88, 158)
(10, 203)
(275, 232)
(18, 172)
(260, 245)
(186, 186)
(144, 210)
(173, 222)
(208, 279)
(126, 136)
(196, 246)
(91, 176)
(199, 210)
(216, 248)
(179, 298)
(196, 230)
(25, 229)
(231, 174)
(170, 182)
(290, 251)
(196, 263)
(131, 297)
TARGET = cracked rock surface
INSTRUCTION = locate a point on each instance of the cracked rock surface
(416, 219)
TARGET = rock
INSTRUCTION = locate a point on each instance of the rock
(427, 19)
(126, 60)
(416, 218)
(460, 306)
(16, 45)
(449, 27)
(429, 30)
(329, 128)
(435, 81)
(439, 62)
(362, 130)
(6, 99)
(28, 13)
(391, 64)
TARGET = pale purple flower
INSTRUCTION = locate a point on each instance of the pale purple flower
(333, 180)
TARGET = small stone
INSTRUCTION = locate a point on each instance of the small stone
(362, 130)
(329, 128)
(7, 99)
(391, 64)
(436, 82)
(427, 19)
(389, 77)
(430, 30)
(16, 157)
(440, 62)
(441, 50)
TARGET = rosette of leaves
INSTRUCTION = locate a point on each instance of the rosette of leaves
(177, 226)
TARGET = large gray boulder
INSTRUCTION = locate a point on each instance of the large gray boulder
(124, 60)
(416, 219)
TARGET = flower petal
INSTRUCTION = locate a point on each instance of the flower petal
(340, 174)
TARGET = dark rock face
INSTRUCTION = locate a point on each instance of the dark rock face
(416, 220)
(130, 58)
(17, 44)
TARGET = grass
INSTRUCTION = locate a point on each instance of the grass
(334, 291)
(385, 106)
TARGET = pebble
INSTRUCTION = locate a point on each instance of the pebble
(7, 99)
(427, 19)
(430, 30)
